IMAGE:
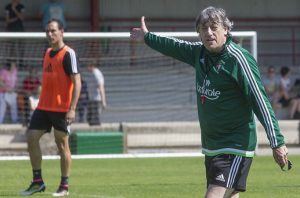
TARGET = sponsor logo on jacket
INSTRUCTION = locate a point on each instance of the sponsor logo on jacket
(204, 90)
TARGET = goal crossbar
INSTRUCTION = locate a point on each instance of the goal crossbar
(252, 35)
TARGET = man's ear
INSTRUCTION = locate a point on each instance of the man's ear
(226, 32)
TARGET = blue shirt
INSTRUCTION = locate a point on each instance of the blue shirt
(53, 10)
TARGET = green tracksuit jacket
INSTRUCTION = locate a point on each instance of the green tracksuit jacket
(229, 90)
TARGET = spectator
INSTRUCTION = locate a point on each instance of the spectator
(2, 92)
(296, 91)
(30, 84)
(53, 9)
(14, 16)
(8, 96)
(96, 94)
(271, 84)
(286, 99)
(82, 102)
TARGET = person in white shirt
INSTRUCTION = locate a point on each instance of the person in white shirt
(272, 84)
(285, 97)
(96, 94)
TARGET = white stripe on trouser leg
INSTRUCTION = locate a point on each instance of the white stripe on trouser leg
(233, 171)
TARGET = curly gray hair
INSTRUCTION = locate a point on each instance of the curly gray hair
(212, 14)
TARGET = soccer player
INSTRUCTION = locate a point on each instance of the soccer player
(61, 86)
(229, 90)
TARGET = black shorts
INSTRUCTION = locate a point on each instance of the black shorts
(45, 120)
(229, 171)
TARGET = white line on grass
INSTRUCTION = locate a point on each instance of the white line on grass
(87, 195)
(109, 156)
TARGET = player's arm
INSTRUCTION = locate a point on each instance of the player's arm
(76, 80)
(71, 67)
(103, 96)
(176, 48)
(8, 19)
(252, 86)
(20, 14)
(101, 88)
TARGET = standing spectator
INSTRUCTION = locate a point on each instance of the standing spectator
(8, 95)
(286, 97)
(30, 84)
(229, 92)
(14, 16)
(96, 94)
(272, 85)
(61, 86)
(53, 9)
(2, 93)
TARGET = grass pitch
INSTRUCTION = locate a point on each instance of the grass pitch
(147, 178)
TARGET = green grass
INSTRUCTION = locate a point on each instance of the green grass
(147, 178)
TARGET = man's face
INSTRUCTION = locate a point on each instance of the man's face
(90, 67)
(213, 36)
(271, 72)
(54, 34)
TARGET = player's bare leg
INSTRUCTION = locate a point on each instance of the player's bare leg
(37, 184)
(62, 142)
(214, 191)
(33, 138)
(235, 194)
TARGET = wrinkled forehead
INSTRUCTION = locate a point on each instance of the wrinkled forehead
(210, 19)
(211, 24)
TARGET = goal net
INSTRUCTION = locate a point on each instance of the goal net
(151, 100)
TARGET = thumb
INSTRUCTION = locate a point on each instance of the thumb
(143, 25)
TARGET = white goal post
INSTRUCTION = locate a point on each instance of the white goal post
(252, 35)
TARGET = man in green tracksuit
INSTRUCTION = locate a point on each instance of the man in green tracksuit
(229, 90)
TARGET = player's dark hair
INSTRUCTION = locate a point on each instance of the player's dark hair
(59, 23)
